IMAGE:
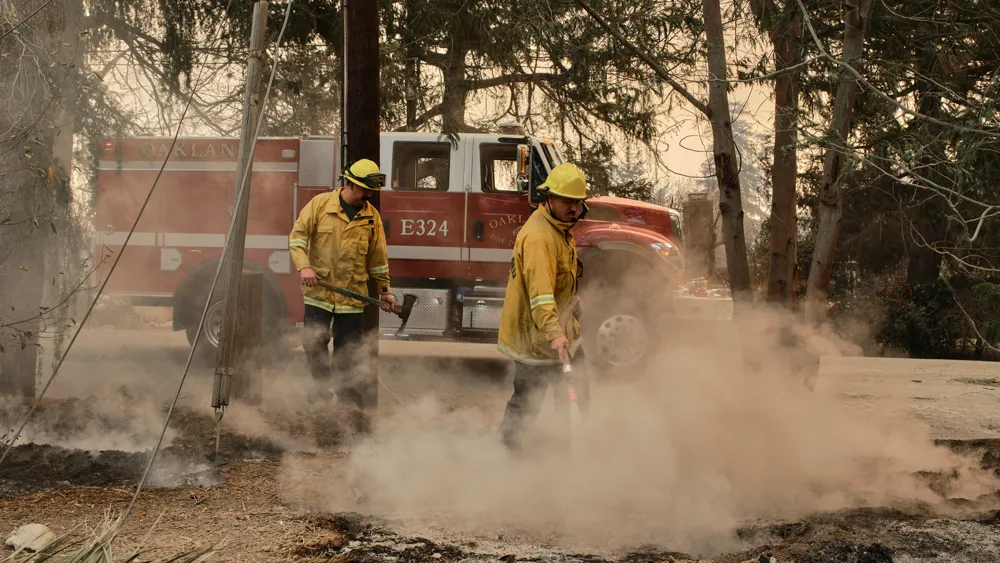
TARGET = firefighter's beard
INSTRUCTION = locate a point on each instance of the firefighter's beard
(355, 196)
(570, 216)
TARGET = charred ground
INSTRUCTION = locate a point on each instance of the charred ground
(37, 482)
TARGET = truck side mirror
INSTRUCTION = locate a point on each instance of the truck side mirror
(523, 168)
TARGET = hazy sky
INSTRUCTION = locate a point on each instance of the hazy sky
(683, 148)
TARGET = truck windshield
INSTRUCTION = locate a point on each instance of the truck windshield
(555, 157)
(552, 156)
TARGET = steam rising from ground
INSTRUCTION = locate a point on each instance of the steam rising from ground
(104, 419)
(678, 458)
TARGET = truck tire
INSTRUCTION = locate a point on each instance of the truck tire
(624, 316)
(192, 302)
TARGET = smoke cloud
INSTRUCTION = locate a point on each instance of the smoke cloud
(677, 457)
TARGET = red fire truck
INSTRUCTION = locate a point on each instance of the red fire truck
(451, 209)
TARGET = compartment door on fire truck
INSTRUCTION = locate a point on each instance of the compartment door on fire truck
(496, 208)
(317, 171)
(423, 205)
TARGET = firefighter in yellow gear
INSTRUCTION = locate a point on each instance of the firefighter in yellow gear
(338, 238)
(543, 282)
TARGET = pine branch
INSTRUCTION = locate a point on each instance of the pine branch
(518, 78)
(657, 67)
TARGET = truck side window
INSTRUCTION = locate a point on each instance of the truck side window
(420, 166)
(498, 168)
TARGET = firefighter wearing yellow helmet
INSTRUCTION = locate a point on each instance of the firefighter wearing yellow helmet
(338, 238)
(544, 272)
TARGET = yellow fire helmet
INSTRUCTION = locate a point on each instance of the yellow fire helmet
(365, 173)
(566, 180)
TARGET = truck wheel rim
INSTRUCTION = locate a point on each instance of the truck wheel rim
(621, 340)
(213, 324)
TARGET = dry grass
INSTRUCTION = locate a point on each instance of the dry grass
(96, 548)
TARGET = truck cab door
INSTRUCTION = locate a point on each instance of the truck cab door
(497, 206)
(423, 205)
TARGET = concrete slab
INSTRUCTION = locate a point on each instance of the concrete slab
(959, 399)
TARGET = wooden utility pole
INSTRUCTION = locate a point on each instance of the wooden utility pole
(360, 135)
(233, 267)
(248, 338)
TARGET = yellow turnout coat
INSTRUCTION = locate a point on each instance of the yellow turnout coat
(544, 271)
(342, 252)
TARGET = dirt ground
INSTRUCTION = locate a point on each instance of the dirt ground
(238, 506)
(281, 487)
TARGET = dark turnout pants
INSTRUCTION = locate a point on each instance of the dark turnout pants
(530, 385)
(352, 381)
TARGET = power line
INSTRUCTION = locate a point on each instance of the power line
(218, 271)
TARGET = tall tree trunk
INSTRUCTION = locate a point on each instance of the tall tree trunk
(726, 160)
(925, 263)
(830, 210)
(34, 196)
(412, 69)
(456, 91)
(62, 270)
(786, 36)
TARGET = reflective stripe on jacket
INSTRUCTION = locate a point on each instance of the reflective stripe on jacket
(342, 252)
(543, 279)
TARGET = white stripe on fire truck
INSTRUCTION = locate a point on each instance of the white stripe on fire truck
(118, 238)
(402, 252)
(455, 253)
(490, 254)
(194, 166)
(267, 242)
(201, 240)
(192, 240)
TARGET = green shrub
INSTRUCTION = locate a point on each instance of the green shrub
(926, 321)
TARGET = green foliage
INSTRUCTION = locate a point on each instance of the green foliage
(605, 177)
(916, 188)
(941, 319)
(604, 81)
(984, 298)
(540, 62)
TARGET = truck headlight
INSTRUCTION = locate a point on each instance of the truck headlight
(669, 253)
(664, 249)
